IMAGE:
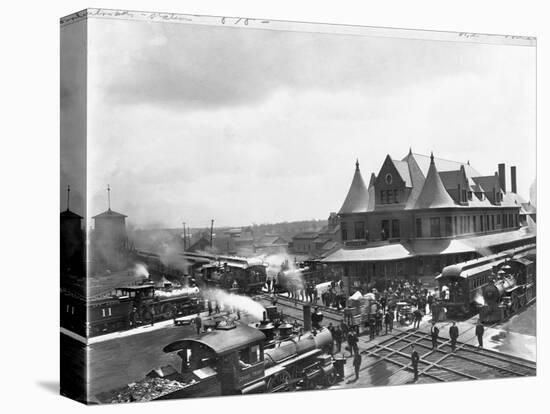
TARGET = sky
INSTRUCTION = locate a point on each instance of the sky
(191, 122)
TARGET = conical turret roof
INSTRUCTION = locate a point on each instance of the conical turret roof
(357, 199)
(433, 194)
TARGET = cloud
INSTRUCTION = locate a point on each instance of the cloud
(193, 67)
(189, 122)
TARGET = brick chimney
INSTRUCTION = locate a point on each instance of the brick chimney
(502, 176)
(513, 179)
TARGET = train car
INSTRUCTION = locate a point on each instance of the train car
(237, 274)
(511, 290)
(135, 305)
(461, 285)
(232, 360)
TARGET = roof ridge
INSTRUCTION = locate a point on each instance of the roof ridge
(442, 159)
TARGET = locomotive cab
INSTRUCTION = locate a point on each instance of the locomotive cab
(226, 361)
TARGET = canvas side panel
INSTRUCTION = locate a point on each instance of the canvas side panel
(73, 95)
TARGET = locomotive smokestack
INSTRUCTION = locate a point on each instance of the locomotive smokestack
(307, 317)
(513, 179)
(502, 176)
(264, 315)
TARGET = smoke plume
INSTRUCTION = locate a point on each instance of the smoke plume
(231, 301)
(140, 270)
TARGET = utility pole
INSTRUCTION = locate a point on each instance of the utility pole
(211, 231)
(184, 238)
(68, 196)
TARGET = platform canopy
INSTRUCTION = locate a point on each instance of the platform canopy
(426, 247)
(395, 251)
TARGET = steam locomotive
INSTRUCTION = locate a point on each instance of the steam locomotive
(142, 304)
(511, 290)
(231, 273)
(233, 359)
(236, 274)
(465, 288)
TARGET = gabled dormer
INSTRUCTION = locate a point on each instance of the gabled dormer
(491, 187)
(456, 184)
(392, 185)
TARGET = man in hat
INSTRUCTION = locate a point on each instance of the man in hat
(352, 342)
(417, 318)
(453, 334)
(338, 338)
(479, 333)
(435, 335)
(414, 361)
(198, 323)
(388, 321)
(430, 301)
(357, 364)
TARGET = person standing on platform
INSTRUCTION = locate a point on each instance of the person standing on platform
(372, 327)
(430, 302)
(338, 338)
(352, 342)
(198, 324)
(388, 321)
(435, 335)
(417, 318)
(414, 361)
(480, 329)
(383, 302)
(357, 365)
(453, 334)
(378, 317)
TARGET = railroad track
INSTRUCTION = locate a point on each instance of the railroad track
(442, 364)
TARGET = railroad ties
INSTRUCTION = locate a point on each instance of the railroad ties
(391, 360)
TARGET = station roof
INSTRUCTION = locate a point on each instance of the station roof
(399, 251)
(221, 341)
(68, 214)
(109, 214)
(435, 247)
(357, 199)
(443, 165)
(433, 194)
(387, 252)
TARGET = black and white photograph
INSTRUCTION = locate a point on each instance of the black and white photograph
(256, 206)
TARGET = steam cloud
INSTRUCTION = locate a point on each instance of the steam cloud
(230, 300)
(170, 256)
(290, 279)
(140, 270)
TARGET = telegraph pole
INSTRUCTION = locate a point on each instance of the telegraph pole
(184, 237)
(211, 231)
(68, 196)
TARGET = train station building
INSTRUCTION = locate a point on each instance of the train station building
(420, 214)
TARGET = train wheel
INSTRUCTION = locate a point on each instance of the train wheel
(330, 379)
(279, 382)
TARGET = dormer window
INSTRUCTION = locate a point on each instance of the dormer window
(470, 195)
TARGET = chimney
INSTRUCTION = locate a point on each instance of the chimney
(502, 176)
(513, 179)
